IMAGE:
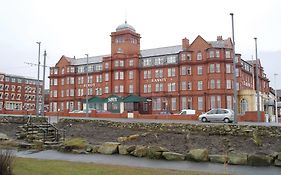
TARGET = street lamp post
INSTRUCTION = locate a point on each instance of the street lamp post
(257, 82)
(87, 72)
(276, 109)
(37, 84)
(234, 72)
(43, 88)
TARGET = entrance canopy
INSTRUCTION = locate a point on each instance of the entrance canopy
(96, 99)
(113, 98)
(134, 98)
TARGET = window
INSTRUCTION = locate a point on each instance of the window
(171, 59)
(147, 74)
(212, 54)
(188, 70)
(55, 93)
(183, 70)
(55, 71)
(147, 88)
(183, 85)
(183, 56)
(218, 84)
(121, 63)
(174, 103)
(227, 54)
(72, 69)
(119, 50)
(55, 82)
(121, 88)
(171, 72)
(213, 102)
(199, 56)
(200, 103)
(156, 104)
(99, 78)
(116, 75)
(189, 56)
(229, 102)
(189, 103)
(237, 72)
(218, 68)
(212, 68)
(159, 73)
(131, 62)
(131, 75)
(147, 62)
(106, 90)
(200, 85)
(171, 87)
(90, 91)
(106, 65)
(62, 93)
(189, 85)
(219, 101)
(62, 71)
(212, 84)
(116, 89)
(131, 88)
(116, 63)
(106, 77)
(183, 102)
(71, 92)
(228, 84)
(121, 75)
(199, 70)
(71, 80)
(217, 53)
(228, 68)
(62, 81)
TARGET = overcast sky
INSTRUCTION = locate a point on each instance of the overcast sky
(76, 27)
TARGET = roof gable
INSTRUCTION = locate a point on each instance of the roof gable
(63, 61)
(199, 43)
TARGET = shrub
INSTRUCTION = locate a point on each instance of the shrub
(6, 161)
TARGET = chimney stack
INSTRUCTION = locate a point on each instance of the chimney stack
(185, 44)
(219, 38)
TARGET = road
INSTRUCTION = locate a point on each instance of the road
(148, 163)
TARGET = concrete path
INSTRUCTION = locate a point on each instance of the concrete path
(148, 163)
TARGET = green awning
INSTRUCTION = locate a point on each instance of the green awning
(113, 98)
(134, 98)
(96, 99)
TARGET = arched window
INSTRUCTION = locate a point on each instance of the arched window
(244, 106)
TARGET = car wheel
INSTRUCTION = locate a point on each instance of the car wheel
(204, 119)
(226, 120)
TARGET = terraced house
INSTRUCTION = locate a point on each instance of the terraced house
(18, 94)
(194, 75)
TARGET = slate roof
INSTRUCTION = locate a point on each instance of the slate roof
(161, 51)
(92, 60)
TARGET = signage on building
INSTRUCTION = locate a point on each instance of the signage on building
(112, 99)
(158, 80)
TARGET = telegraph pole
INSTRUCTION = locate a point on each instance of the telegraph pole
(37, 84)
(257, 82)
(234, 73)
(43, 88)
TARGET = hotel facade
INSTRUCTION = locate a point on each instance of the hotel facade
(194, 75)
(18, 94)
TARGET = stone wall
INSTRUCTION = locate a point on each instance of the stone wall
(21, 119)
(212, 129)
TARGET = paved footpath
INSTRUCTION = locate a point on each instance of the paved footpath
(148, 163)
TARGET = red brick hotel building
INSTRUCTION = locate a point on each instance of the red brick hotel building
(196, 75)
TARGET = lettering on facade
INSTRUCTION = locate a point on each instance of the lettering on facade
(156, 80)
(112, 99)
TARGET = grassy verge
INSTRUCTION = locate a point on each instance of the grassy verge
(23, 166)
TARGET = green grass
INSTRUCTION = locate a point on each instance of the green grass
(24, 166)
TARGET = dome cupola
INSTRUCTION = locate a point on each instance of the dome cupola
(125, 26)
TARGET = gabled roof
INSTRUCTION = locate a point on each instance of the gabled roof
(221, 43)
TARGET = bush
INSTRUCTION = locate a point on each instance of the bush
(6, 161)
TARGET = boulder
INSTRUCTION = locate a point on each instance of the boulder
(122, 139)
(277, 162)
(259, 160)
(173, 156)
(109, 148)
(89, 149)
(95, 148)
(200, 155)
(237, 158)
(126, 149)
(3, 136)
(140, 151)
(155, 152)
(218, 158)
(279, 156)
(79, 151)
(133, 137)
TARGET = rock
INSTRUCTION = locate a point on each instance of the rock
(227, 128)
(274, 155)
(218, 158)
(155, 152)
(277, 162)
(95, 148)
(3, 136)
(122, 139)
(109, 148)
(279, 156)
(126, 149)
(133, 137)
(237, 158)
(173, 156)
(79, 151)
(89, 149)
(23, 145)
(200, 155)
(140, 151)
(259, 160)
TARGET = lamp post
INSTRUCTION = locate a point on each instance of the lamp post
(37, 84)
(43, 88)
(87, 72)
(257, 82)
(234, 72)
(276, 109)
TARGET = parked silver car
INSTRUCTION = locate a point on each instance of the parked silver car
(225, 115)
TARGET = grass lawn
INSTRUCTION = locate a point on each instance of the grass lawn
(23, 166)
